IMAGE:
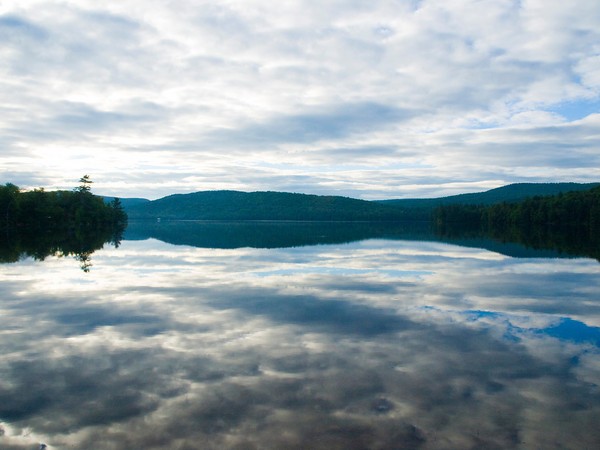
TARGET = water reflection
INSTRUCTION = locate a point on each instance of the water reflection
(281, 234)
(276, 234)
(39, 244)
(380, 344)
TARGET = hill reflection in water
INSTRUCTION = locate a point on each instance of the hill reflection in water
(281, 234)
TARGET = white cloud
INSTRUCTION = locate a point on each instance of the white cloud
(131, 89)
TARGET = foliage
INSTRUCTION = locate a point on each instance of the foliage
(234, 205)
(511, 193)
(84, 187)
(42, 210)
(39, 223)
(577, 209)
(570, 221)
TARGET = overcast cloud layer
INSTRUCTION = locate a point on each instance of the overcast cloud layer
(375, 99)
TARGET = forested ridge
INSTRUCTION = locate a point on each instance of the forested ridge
(236, 205)
(510, 193)
(580, 209)
(570, 221)
(268, 205)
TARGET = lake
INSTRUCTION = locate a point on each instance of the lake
(300, 336)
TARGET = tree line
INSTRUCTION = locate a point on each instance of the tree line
(568, 221)
(569, 210)
(74, 223)
(39, 209)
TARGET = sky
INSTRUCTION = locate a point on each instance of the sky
(368, 99)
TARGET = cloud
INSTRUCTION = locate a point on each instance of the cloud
(327, 123)
(160, 90)
(15, 28)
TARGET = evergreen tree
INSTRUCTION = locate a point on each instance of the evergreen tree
(84, 187)
(9, 205)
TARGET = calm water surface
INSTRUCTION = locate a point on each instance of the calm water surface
(371, 344)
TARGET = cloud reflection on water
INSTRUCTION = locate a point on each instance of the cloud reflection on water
(376, 344)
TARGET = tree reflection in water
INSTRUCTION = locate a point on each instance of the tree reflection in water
(80, 244)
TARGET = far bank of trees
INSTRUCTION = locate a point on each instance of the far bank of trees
(569, 221)
(568, 211)
(41, 210)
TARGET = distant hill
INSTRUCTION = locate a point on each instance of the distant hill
(235, 205)
(510, 193)
(569, 220)
(127, 202)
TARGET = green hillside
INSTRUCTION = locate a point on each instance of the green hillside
(127, 202)
(235, 205)
(510, 193)
(568, 220)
